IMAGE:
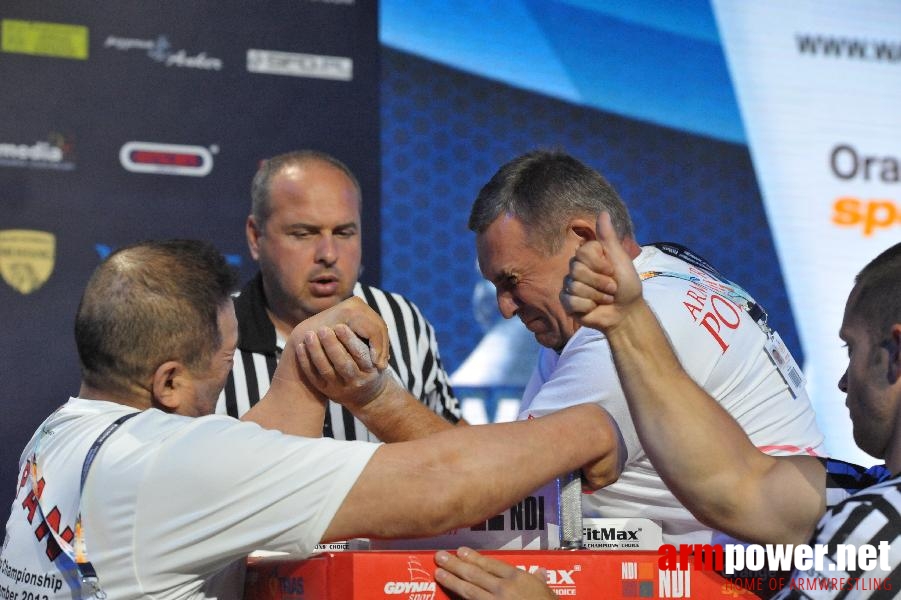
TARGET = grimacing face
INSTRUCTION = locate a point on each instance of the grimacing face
(309, 249)
(527, 282)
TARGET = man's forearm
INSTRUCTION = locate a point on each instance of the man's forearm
(460, 476)
(396, 416)
(293, 403)
(290, 405)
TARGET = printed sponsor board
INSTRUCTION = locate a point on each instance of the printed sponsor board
(621, 534)
(294, 64)
(160, 49)
(166, 159)
(59, 40)
(56, 152)
(388, 575)
(27, 258)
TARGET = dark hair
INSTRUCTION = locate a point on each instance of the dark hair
(262, 181)
(545, 189)
(877, 296)
(148, 303)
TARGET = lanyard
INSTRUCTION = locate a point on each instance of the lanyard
(736, 293)
(774, 346)
(75, 558)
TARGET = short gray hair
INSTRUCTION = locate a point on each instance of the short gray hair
(545, 189)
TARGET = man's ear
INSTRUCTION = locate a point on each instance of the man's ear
(252, 229)
(583, 229)
(169, 386)
(894, 353)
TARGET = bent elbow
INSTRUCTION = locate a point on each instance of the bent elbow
(594, 479)
(607, 469)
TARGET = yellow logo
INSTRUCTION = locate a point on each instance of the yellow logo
(27, 257)
(60, 40)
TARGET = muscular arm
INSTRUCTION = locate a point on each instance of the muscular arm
(396, 416)
(293, 404)
(465, 474)
(338, 364)
(290, 405)
(701, 453)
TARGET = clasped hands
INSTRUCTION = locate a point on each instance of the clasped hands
(343, 353)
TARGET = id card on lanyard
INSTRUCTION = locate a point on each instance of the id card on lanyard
(73, 561)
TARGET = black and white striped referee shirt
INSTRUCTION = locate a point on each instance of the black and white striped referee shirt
(414, 359)
(865, 517)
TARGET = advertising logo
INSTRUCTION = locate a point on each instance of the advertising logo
(289, 588)
(293, 64)
(597, 538)
(27, 257)
(161, 51)
(420, 586)
(637, 579)
(56, 152)
(561, 581)
(869, 214)
(167, 159)
(620, 534)
(59, 40)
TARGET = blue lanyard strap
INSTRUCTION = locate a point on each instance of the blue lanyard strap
(75, 557)
(95, 447)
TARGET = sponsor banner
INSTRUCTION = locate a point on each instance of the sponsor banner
(27, 258)
(59, 40)
(160, 50)
(819, 85)
(277, 578)
(294, 64)
(56, 152)
(621, 534)
(166, 159)
(411, 576)
(532, 524)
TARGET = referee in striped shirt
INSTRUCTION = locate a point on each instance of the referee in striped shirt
(304, 231)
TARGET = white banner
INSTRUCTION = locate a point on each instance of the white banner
(819, 88)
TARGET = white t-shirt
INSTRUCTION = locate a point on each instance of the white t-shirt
(720, 346)
(172, 504)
